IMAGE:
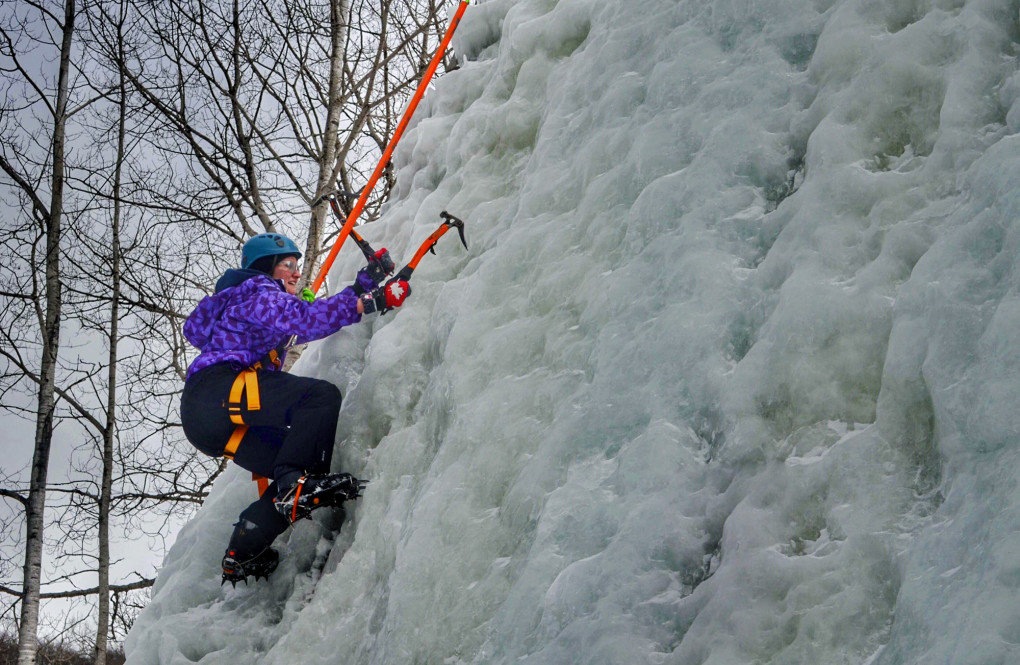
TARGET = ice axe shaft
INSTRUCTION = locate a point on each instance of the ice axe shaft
(449, 222)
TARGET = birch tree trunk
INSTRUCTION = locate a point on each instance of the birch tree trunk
(327, 160)
(28, 639)
(109, 433)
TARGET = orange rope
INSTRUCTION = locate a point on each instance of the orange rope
(384, 160)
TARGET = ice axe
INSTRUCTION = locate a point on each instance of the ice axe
(449, 222)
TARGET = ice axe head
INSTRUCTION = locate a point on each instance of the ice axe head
(458, 224)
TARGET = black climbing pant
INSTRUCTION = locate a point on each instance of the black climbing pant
(290, 435)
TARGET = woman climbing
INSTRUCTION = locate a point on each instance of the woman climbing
(238, 403)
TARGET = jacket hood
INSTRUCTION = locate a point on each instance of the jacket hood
(235, 276)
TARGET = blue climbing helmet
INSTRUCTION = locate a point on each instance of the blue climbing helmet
(267, 244)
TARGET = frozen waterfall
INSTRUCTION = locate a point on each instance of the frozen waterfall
(729, 375)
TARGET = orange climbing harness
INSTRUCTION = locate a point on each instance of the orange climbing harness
(246, 385)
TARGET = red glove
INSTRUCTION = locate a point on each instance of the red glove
(387, 297)
(379, 267)
(382, 257)
(396, 291)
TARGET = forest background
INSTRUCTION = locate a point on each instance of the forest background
(141, 143)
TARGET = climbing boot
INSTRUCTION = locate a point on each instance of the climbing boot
(317, 491)
(258, 566)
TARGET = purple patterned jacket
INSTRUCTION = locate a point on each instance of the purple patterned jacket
(251, 314)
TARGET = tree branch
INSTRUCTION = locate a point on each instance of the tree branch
(144, 583)
(14, 495)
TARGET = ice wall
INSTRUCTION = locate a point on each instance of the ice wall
(729, 374)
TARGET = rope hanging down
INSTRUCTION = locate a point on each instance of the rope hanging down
(384, 160)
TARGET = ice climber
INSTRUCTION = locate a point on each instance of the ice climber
(238, 403)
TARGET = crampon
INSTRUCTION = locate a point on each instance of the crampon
(317, 491)
(259, 566)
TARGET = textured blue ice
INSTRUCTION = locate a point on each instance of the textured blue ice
(729, 375)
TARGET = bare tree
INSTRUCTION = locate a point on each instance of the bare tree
(110, 429)
(28, 177)
(128, 487)
(269, 105)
